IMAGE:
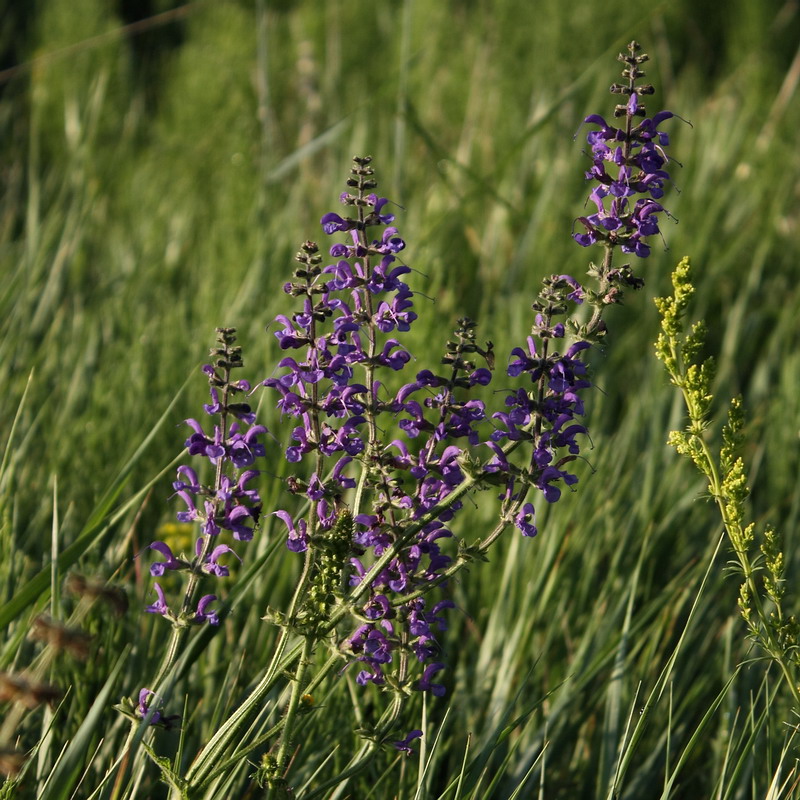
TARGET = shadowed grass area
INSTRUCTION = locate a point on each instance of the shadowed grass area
(157, 182)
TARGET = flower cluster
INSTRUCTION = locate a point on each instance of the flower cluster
(345, 334)
(405, 494)
(228, 504)
(381, 459)
(627, 201)
(543, 411)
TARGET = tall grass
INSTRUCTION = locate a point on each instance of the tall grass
(157, 182)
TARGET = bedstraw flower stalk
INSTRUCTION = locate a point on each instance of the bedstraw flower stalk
(761, 606)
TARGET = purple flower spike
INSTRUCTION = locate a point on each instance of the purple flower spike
(229, 503)
(635, 151)
(344, 337)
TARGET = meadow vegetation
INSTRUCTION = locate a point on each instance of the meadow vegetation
(157, 181)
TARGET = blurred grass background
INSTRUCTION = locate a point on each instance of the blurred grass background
(162, 162)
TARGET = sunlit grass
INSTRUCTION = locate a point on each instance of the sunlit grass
(138, 217)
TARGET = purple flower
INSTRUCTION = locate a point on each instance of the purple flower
(190, 475)
(298, 536)
(377, 647)
(395, 361)
(200, 615)
(333, 222)
(635, 150)
(550, 474)
(234, 521)
(375, 676)
(377, 608)
(404, 745)
(244, 449)
(290, 337)
(499, 462)
(143, 708)
(481, 377)
(525, 520)
(343, 480)
(524, 362)
(191, 514)
(211, 565)
(157, 568)
(200, 444)
(425, 683)
(160, 606)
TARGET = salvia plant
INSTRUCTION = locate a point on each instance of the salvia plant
(385, 462)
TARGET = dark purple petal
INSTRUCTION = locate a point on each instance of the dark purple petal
(160, 606)
(404, 745)
(201, 616)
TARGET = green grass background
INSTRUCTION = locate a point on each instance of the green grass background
(157, 180)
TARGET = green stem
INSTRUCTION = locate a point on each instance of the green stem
(243, 753)
(294, 703)
(205, 761)
(369, 365)
(365, 754)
